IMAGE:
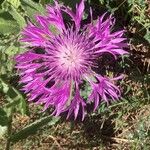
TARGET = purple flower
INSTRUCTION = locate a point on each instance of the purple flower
(62, 55)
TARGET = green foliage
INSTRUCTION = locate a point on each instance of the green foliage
(8, 26)
(14, 97)
(139, 8)
(14, 3)
(43, 2)
(3, 117)
(17, 16)
(31, 8)
(3, 122)
(33, 128)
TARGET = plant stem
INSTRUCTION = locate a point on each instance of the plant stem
(9, 131)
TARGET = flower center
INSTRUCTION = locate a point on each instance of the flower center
(70, 57)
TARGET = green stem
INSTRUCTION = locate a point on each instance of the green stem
(9, 130)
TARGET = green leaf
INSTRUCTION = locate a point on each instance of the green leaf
(33, 5)
(8, 26)
(14, 95)
(14, 3)
(33, 128)
(17, 16)
(3, 118)
(43, 2)
(5, 15)
(11, 7)
(31, 8)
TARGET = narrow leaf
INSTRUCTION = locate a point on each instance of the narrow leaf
(17, 16)
(33, 5)
(3, 118)
(33, 128)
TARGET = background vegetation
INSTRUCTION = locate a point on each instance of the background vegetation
(124, 125)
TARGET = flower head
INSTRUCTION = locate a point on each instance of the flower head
(58, 61)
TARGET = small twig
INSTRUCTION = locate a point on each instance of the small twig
(124, 131)
(55, 141)
(118, 140)
(121, 4)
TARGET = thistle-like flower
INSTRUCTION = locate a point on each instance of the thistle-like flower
(57, 62)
